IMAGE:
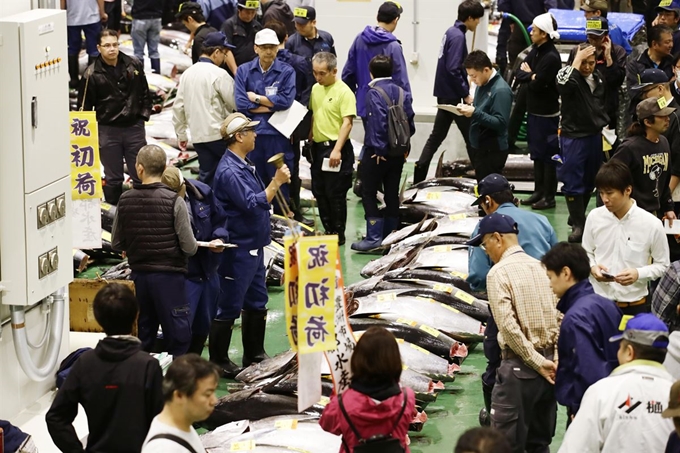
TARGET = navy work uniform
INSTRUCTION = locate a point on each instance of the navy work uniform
(242, 35)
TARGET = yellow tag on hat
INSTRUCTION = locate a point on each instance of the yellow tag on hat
(593, 25)
(662, 102)
(624, 322)
(396, 3)
(665, 3)
(300, 12)
(252, 4)
(476, 190)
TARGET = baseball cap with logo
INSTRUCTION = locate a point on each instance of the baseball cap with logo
(304, 14)
(494, 223)
(265, 37)
(594, 5)
(390, 11)
(644, 329)
(236, 122)
(249, 4)
(668, 5)
(653, 107)
(217, 39)
(493, 183)
(598, 26)
(187, 8)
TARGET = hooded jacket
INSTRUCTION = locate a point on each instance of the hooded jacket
(373, 41)
(119, 386)
(585, 352)
(369, 416)
(450, 81)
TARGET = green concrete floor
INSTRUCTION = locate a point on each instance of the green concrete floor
(457, 408)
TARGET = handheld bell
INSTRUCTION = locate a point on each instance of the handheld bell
(276, 160)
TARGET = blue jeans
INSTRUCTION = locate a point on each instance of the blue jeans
(75, 39)
(146, 32)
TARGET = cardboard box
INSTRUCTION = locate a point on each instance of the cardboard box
(81, 295)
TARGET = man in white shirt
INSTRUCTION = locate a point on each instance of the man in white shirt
(205, 97)
(626, 245)
(622, 413)
(189, 391)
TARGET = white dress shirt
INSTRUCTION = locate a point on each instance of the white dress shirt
(626, 243)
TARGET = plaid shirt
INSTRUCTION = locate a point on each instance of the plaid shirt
(524, 306)
(666, 297)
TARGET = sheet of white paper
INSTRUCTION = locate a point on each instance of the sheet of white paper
(450, 108)
(609, 135)
(309, 384)
(326, 166)
(87, 224)
(286, 121)
(674, 230)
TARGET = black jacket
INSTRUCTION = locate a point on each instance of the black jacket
(199, 37)
(280, 11)
(650, 165)
(119, 386)
(121, 101)
(241, 35)
(146, 219)
(542, 95)
(637, 65)
(583, 110)
(147, 9)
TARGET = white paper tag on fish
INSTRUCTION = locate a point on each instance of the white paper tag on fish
(286, 424)
(309, 384)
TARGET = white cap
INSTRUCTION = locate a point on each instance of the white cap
(266, 36)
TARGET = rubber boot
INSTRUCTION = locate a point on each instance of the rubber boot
(577, 214)
(197, 344)
(485, 412)
(586, 201)
(374, 236)
(112, 193)
(549, 189)
(539, 178)
(325, 214)
(339, 215)
(390, 224)
(218, 347)
(156, 65)
(253, 325)
(73, 71)
(419, 173)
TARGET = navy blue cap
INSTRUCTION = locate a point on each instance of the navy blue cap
(650, 77)
(493, 183)
(304, 14)
(217, 39)
(494, 223)
(645, 329)
(668, 5)
(597, 25)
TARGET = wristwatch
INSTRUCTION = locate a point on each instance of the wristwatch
(257, 100)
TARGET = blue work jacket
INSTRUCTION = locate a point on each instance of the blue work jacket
(208, 222)
(450, 81)
(241, 193)
(307, 48)
(249, 77)
(585, 353)
(536, 236)
(304, 78)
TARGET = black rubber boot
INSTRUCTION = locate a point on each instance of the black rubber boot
(73, 71)
(112, 193)
(218, 347)
(485, 412)
(549, 188)
(539, 182)
(325, 214)
(156, 65)
(253, 326)
(577, 213)
(391, 224)
(197, 344)
(419, 174)
(339, 219)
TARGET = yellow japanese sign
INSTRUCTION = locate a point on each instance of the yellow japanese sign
(86, 178)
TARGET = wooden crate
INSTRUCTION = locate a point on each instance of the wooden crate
(81, 295)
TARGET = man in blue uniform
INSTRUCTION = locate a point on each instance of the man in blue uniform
(209, 224)
(245, 198)
(309, 40)
(241, 28)
(451, 84)
(264, 86)
(536, 236)
(585, 352)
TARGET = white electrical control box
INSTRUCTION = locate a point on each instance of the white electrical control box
(35, 181)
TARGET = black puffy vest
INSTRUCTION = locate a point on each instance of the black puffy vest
(147, 216)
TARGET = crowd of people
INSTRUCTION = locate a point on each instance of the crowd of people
(558, 309)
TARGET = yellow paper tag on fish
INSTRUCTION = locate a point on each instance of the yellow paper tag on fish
(593, 24)
(386, 297)
(441, 248)
(300, 12)
(450, 308)
(426, 299)
(404, 367)
(252, 4)
(400, 340)
(431, 330)
(286, 424)
(406, 321)
(418, 348)
(662, 102)
(457, 216)
(458, 274)
(246, 445)
(106, 206)
(433, 196)
(624, 322)
(324, 401)
(443, 287)
(465, 297)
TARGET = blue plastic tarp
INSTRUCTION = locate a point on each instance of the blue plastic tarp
(572, 25)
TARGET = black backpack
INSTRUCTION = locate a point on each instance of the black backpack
(380, 443)
(398, 129)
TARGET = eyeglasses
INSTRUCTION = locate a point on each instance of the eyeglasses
(110, 45)
(483, 244)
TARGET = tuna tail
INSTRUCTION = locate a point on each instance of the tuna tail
(440, 165)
